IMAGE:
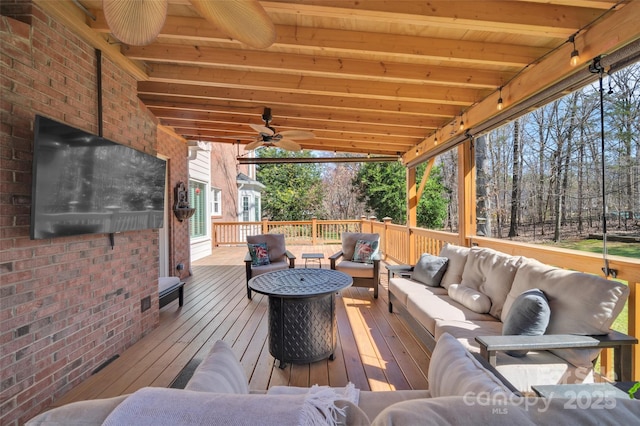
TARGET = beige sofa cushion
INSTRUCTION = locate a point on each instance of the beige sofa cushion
(457, 258)
(509, 412)
(219, 372)
(81, 413)
(454, 371)
(582, 304)
(429, 309)
(403, 287)
(491, 273)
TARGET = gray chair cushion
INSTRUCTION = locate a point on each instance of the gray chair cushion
(430, 269)
(529, 316)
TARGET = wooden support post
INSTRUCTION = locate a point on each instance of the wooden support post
(467, 195)
(412, 211)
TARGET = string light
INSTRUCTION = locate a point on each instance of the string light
(435, 141)
(461, 123)
(500, 105)
(575, 56)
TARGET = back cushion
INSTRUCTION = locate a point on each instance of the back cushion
(580, 303)
(457, 256)
(491, 273)
(454, 371)
(275, 245)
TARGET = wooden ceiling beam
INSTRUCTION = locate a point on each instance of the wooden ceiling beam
(313, 120)
(215, 97)
(232, 129)
(289, 63)
(426, 93)
(344, 43)
(522, 18)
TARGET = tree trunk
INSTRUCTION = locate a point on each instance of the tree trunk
(482, 199)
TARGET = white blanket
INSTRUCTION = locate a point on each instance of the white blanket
(172, 407)
(349, 393)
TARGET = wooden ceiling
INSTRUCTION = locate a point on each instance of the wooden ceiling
(378, 77)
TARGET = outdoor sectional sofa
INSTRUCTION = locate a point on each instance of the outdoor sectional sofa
(462, 390)
(470, 292)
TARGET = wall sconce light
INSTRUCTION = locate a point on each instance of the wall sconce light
(575, 56)
(181, 207)
(500, 105)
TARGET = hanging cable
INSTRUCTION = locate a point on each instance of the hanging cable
(596, 67)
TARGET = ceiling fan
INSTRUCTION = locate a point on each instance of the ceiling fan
(138, 22)
(269, 136)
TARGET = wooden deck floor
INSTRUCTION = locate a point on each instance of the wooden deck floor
(375, 350)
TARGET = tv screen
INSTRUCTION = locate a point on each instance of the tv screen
(86, 184)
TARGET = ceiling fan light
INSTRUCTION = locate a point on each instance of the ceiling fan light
(135, 22)
(243, 20)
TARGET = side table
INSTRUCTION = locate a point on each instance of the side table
(313, 257)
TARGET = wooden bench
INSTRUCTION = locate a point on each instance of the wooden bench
(170, 289)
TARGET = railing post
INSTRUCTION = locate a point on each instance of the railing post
(314, 231)
(370, 223)
(363, 220)
(265, 225)
(385, 234)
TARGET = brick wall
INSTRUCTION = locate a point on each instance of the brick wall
(68, 304)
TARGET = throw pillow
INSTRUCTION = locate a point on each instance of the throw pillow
(259, 254)
(220, 372)
(470, 298)
(430, 269)
(364, 251)
(529, 316)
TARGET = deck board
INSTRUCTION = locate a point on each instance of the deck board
(375, 350)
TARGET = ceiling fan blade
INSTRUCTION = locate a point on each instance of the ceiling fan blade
(243, 20)
(261, 129)
(253, 145)
(135, 22)
(297, 134)
(287, 144)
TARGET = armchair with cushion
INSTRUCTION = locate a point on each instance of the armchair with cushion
(360, 259)
(267, 252)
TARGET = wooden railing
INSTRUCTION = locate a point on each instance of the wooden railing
(404, 245)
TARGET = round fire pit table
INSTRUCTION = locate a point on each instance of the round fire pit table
(302, 316)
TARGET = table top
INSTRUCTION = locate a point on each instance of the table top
(300, 282)
(313, 255)
(582, 390)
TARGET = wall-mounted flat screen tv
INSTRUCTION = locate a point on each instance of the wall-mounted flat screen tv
(86, 184)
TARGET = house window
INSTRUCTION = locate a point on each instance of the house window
(245, 208)
(198, 200)
(216, 202)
